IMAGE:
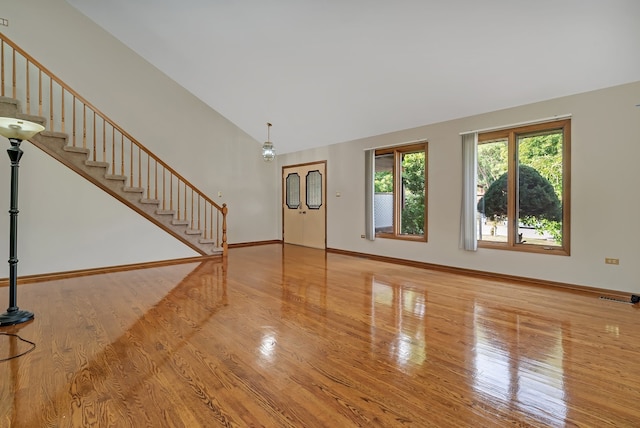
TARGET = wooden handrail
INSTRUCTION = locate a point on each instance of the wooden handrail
(108, 142)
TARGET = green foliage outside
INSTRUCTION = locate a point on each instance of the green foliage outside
(540, 189)
(414, 192)
(383, 182)
(492, 163)
(413, 181)
(544, 153)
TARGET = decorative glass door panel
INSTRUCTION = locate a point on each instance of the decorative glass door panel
(293, 191)
(314, 190)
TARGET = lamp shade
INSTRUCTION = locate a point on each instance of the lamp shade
(19, 129)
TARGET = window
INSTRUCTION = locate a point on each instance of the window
(523, 188)
(400, 197)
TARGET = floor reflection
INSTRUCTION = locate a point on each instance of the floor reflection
(304, 293)
(518, 362)
(515, 358)
(404, 309)
(268, 345)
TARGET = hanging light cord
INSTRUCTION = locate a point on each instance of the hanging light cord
(33, 346)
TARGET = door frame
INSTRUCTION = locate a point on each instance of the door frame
(284, 193)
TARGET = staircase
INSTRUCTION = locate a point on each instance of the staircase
(107, 156)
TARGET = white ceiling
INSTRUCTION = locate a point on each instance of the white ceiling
(328, 71)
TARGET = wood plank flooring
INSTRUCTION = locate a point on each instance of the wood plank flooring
(285, 336)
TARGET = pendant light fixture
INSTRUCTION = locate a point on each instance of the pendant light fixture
(268, 151)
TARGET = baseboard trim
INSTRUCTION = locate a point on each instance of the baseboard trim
(254, 243)
(485, 274)
(28, 279)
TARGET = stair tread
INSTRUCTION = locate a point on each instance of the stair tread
(9, 100)
(206, 241)
(149, 201)
(54, 134)
(32, 118)
(180, 222)
(133, 189)
(96, 163)
(165, 212)
(193, 232)
(115, 177)
(74, 149)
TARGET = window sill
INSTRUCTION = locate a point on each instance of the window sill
(402, 237)
(524, 248)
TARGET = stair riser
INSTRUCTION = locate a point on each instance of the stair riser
(8, 107)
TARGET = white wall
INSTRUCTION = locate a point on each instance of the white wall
(56, 232)
(605, 192)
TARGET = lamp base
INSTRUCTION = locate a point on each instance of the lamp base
(15, 317)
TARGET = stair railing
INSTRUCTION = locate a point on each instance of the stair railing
(43, 94)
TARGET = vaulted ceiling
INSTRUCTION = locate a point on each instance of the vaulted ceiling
(325, 71)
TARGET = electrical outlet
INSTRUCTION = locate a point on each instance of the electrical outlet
(362, 236)
(4, 22)
(611, 261)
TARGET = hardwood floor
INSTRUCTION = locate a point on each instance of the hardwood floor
(284, 336)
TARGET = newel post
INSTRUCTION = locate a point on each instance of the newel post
(225, 247)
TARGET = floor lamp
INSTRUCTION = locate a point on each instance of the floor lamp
(15, 130)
